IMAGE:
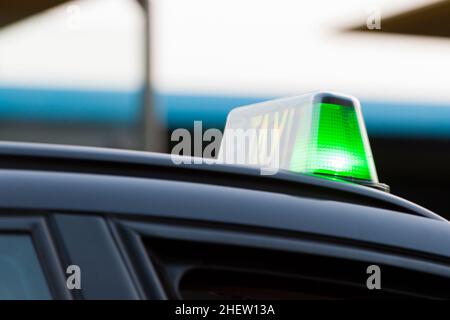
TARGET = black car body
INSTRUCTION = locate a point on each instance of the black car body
(140, 227)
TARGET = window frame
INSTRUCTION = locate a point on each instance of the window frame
(104, 273)
(37, 228)
(129, 233)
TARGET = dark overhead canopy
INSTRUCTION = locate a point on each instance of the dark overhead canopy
(14, 10)
(432, 20)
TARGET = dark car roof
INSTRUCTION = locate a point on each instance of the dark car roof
(135, 184)
(34, 156)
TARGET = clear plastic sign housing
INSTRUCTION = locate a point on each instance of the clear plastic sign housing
(321, 134)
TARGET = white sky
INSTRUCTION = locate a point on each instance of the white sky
(248, 47)
(82, 44)
(284, 47)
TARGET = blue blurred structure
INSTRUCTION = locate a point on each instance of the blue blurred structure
(383, 118)
(32, 104)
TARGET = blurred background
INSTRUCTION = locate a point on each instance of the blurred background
(125, 73)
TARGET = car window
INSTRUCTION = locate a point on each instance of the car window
(196, 263)
(21, 276)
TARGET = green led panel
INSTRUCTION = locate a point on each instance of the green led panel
(339, 146)
(335, 146)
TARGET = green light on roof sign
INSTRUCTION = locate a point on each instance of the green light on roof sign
(321, 134)
(335, 146)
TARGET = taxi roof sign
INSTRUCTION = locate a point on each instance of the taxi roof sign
(321, 134)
